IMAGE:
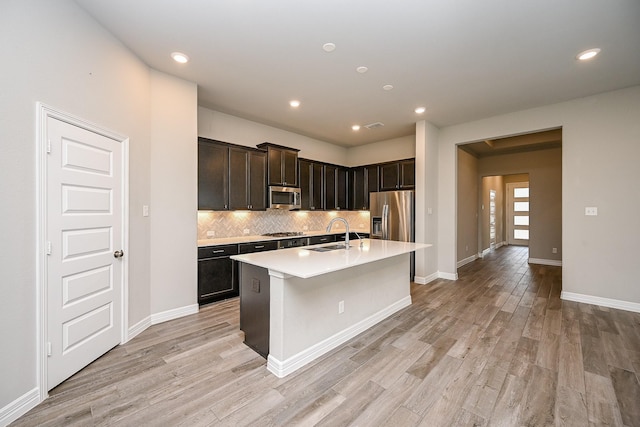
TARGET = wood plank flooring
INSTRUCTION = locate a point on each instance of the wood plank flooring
(496, 347)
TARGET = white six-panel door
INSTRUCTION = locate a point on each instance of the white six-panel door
(84, 230)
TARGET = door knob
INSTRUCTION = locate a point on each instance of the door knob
(118, 254)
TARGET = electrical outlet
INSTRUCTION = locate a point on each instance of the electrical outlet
(305, 228)
(554, 250)
(341, 307)
(591, 211)
(246, 231)
(211, 233)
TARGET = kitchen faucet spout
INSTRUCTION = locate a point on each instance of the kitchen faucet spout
(346, 225)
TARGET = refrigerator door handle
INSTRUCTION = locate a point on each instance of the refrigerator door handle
(385, 222)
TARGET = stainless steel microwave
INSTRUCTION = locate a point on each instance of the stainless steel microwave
(284, 198)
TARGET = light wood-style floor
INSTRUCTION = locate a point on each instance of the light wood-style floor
(496, 347)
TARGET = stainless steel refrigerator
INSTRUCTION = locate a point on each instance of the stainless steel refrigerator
(393, 217)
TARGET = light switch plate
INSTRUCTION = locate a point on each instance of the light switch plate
(591, 211)
(145, 210)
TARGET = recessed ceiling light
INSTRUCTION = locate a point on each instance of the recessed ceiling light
(295, 103)
(180, 57)
(355, 127)
(420, 110)
(362, 69)
(387, 87)
(587, 54)
(328, 47)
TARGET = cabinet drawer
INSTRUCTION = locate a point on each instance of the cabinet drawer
(247, 248)
(217, 251)
(316, 240)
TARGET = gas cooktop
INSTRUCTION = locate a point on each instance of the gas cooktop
(284, 234)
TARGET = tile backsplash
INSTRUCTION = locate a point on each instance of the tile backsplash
(213, 225)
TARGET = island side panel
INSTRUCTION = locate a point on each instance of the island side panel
(304, 312)
(254, 307)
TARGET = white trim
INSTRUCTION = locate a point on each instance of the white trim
(555, 262)
(43, 112)
(447, 276)
(604, 302)
(138, 328)
(174, 313)
(19, 407)
(295, 362)
(501, 244)
(467, 260)
(427, 279)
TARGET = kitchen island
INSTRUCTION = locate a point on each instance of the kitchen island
(310, 300)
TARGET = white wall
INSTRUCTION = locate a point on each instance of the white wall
(600, 152)
(174, 195)
(467, 209)
(382, 151)
(227, 128)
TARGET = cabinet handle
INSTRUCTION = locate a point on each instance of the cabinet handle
(218, 251)
(259, 247)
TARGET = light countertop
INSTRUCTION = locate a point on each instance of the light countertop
(249, 239)
(304, 262)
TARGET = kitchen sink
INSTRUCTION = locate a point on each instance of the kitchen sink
(328, 248)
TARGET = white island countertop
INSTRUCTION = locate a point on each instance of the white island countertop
(305, 262)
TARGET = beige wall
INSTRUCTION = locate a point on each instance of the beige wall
(544, 168)
(382, 151)
(174, 193)
(600, 149)
(467, 208)
(227, 128)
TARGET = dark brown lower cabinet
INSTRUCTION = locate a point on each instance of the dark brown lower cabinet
(217, 273)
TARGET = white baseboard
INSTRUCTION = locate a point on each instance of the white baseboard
(467, 260)
(295, 362)
(164, 316)
(604, 302)
(501, 244)
(174, 314)
(555, 262)
(138, 328)
(426, 279)
(19, 407)
(447, 276)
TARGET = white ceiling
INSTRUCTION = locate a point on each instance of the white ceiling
(461, 59)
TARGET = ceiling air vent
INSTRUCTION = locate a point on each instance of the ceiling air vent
(374, 125)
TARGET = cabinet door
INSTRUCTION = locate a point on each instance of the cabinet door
(290, 168)
(407, 174)
(216, 279)
(342, 188)
(275, 166)
(373, 181)
(238, 178)
(358, 189)
(257, 180)
(389, 176)
(213, 173)
(317, 186)
(330, 201)
(305, 168)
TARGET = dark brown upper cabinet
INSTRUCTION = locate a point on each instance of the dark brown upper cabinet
(311, 184)
(397, 175)
(213, 175)
(247, 179)
(282, 165)
(336, 181)
(363, 180)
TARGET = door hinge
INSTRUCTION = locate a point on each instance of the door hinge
(48, 146)
(49, 352)
(48, 248)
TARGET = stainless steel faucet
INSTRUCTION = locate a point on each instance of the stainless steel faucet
(346, 225)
